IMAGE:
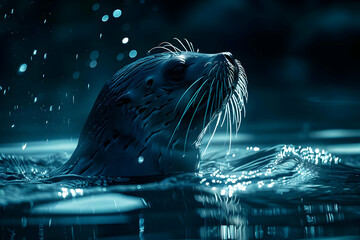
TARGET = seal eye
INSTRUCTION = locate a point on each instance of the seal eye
(177, 71)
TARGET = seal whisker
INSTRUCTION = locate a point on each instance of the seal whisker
(233, 111)
(238, 112)
(187, 91)
(225, 114)
(192, 118)
(192, 47)
(186, 109)
(187, 42)
(212, 68)
(216, 102)
(230, 128)
(181, 44)
(162, 47)
(208, 101)
(212, 135)
(212, 100)
(235, 116)
(167, 44)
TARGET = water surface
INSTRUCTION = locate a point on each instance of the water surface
(251, 192)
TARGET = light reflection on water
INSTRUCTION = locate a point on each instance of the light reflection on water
(254, 192)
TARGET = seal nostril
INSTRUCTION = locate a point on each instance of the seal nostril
(229, 57)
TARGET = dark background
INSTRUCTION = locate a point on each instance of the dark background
(302, 59)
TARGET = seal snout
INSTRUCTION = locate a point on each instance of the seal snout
(229, 57)
(226, 57)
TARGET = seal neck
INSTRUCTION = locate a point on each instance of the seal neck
(123, 145)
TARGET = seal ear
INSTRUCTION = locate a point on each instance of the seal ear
(149, 82)
(124, 99)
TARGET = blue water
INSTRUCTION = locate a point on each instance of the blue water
(251, 192)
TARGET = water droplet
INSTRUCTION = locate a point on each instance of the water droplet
(12, 126)
(34, 52)
(88, 86)
(93, 63)
(23, 146)
(76, 75)
(12, 11)
(141, 159)
(35, 99)
(132, 53)
(44, 21)
(125, 40)
(120, 57)
(100, 36)
(76, 56)
(117, 13)
(105, 18)
(22, 67)
(95, 6)
(94, 55)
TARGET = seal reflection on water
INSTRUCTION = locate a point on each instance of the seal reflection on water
(150, 118)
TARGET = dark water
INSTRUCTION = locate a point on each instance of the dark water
(254, 192)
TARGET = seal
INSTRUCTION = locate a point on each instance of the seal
(149, 119)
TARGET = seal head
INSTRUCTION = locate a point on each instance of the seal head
(150, 118)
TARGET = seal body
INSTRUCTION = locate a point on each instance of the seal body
(150, 117)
